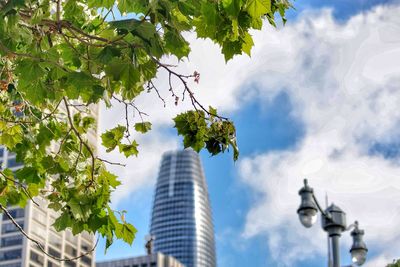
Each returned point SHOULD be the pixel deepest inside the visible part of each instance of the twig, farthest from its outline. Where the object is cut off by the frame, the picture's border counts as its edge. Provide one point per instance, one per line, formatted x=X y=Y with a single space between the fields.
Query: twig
x=151 y=86
x=195 y=103
x=131 y=104
x=111 y=163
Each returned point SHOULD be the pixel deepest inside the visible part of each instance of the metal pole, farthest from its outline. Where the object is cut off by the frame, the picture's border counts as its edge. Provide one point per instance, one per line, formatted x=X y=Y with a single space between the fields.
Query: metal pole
x=329 y=252
x=328 y=239
x=335 y=250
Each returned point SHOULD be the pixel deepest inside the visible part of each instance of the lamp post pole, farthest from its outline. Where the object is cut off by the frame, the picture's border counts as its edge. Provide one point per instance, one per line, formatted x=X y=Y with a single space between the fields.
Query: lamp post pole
x=333 y=221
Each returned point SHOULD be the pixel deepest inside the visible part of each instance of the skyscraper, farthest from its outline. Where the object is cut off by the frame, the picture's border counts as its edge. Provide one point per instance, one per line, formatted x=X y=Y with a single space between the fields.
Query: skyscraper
x=181 y=219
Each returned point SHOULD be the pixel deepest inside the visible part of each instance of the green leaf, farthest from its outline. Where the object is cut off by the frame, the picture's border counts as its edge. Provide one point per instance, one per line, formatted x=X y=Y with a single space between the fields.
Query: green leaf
x=258 y=8
x=143 y=127
x=11 y=136
x=79 y=210
x=101 y=3
x=128 y=74
x=111 y=179
x=128 y=233
x=63 y=222
x=55 y=206
x=247 y=43
x=108 y=53
x=28 y=175
x=81 y=84
x=130 y=149
x=110 y=139
x=176 y=44
x=229 y=49
x=128 y=6
x=232 y=7
x=29 y=69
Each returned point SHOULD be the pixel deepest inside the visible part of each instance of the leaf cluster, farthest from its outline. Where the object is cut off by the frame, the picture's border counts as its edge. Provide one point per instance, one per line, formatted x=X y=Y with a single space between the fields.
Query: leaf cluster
x=213 y=133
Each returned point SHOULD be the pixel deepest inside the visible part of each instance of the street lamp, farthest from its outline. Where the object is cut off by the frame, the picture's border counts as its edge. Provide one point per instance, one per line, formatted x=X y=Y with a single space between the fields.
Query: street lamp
x=307 y=210
x=333 y=221
x=358 y=249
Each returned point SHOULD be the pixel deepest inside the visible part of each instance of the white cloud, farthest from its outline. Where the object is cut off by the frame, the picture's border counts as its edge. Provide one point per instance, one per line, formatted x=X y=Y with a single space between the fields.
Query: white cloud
x=342 y=79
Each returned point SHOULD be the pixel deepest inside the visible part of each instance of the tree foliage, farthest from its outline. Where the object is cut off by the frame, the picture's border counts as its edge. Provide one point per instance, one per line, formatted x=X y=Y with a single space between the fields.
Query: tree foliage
x=61 y=57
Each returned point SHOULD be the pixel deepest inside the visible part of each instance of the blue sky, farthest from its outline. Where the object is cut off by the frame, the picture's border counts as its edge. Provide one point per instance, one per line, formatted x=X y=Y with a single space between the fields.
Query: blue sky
x=279 y=126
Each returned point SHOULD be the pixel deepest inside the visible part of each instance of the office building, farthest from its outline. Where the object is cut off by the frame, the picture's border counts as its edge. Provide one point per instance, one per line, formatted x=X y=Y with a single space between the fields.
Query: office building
x=181 y=220
x=18 y=251
x=153 y=260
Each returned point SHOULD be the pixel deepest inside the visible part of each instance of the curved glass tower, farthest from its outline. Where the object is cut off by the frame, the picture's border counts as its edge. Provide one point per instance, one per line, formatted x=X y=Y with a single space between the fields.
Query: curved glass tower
x=181 y=219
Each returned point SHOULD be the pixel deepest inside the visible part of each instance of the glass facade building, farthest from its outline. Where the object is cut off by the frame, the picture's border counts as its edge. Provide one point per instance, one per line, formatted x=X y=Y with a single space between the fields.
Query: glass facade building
x=182 y=219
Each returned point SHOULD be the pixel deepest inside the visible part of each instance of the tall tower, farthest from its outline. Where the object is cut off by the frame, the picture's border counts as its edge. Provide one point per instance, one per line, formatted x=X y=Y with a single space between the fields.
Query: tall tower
x=182 y=220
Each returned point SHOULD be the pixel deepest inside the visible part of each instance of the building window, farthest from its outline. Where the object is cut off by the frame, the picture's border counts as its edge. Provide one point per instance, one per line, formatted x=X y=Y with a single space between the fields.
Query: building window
x=54 y=252
x=70 y=264
x=39 y=230
x=87 y=260
x=37 y=258
x=12 y=162
x=10 y=254
x=10 y=228
x=52 y=264
x=55 y=240
x=17 y=264
x=39 y=216
x=85 y=247
x=70 y=237
x=11 y=241
x=15 y=213
x=70 y=250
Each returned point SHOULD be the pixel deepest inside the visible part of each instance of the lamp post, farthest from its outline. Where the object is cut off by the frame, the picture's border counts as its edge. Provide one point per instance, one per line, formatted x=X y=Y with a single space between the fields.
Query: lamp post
x=333 y=221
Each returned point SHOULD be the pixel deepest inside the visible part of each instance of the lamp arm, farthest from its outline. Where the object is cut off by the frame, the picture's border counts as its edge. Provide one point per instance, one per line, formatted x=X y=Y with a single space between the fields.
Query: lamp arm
x=326 y=215
x=351 y=226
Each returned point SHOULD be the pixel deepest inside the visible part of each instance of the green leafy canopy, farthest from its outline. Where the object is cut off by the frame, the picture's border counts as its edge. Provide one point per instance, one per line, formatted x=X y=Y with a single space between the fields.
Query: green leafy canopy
x=60 y=59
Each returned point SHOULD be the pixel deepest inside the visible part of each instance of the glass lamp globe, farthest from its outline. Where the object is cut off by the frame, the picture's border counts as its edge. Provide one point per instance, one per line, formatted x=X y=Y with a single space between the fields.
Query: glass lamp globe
x=358 y=256
x=308 y=217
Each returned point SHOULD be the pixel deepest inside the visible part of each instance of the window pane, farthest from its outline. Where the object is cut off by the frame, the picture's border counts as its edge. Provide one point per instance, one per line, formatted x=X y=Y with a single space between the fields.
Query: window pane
x=70 y=250
x=10 y=254
x=10 y=228
x=37 y=258
x=11 y=241
x=15 y=213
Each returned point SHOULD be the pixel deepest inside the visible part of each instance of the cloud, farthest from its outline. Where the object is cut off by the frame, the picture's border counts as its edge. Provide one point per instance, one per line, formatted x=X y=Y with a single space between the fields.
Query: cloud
x=343 y=82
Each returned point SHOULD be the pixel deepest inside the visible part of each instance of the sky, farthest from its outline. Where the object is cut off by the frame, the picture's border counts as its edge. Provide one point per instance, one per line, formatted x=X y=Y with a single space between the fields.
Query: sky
x=317 y=99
